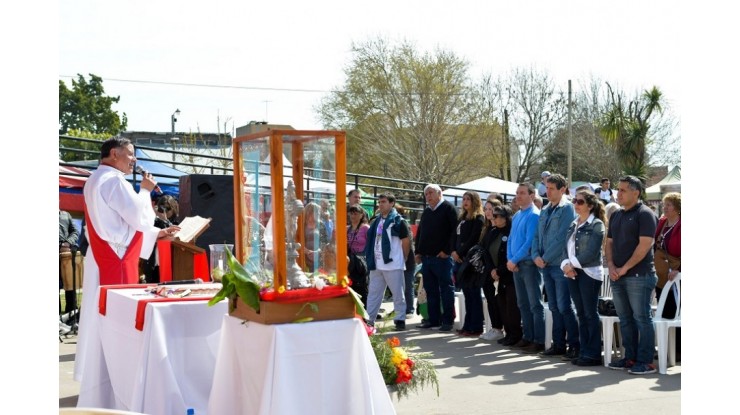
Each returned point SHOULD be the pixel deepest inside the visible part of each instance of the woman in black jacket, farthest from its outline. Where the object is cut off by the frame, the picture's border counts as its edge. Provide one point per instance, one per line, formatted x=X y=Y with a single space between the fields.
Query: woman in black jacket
x=468 y=234
x=505 y=312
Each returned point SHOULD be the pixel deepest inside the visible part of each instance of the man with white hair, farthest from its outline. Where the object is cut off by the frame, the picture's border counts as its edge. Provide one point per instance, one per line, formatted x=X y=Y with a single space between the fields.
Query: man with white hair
x=542 y=187
x=435 y=241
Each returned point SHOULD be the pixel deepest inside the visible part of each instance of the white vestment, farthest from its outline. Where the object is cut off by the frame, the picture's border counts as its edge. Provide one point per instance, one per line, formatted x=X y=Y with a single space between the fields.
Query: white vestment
x=116 y=212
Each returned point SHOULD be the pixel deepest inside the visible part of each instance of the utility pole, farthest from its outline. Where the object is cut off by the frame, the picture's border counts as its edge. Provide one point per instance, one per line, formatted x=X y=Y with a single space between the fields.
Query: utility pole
x=505 y=127
x=570 y=139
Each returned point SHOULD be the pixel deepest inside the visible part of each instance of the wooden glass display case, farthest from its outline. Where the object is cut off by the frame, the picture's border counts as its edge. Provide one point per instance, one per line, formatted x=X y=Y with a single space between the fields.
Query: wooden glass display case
x=290 y=211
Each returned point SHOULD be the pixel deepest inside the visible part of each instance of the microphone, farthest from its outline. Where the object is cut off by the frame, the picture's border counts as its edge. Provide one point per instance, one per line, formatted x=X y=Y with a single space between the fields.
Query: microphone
x=143 y=172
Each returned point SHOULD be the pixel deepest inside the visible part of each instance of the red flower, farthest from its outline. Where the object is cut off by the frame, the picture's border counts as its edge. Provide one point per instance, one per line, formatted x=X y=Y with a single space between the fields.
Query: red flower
x=394 y=342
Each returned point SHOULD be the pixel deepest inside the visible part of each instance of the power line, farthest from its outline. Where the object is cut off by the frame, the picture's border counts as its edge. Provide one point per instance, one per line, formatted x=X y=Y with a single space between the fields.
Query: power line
x=257 y=88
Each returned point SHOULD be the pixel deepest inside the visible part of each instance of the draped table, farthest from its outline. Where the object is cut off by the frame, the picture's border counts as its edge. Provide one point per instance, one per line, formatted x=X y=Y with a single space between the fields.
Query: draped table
x=323 y=367
x=159 y=361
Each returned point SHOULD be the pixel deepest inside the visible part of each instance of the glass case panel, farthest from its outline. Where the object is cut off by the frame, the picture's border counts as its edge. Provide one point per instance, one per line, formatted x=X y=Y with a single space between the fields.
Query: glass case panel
x=287 y=213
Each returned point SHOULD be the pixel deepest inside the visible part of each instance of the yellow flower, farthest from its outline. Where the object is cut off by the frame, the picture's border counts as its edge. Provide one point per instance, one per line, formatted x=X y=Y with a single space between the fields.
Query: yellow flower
x=281 y=289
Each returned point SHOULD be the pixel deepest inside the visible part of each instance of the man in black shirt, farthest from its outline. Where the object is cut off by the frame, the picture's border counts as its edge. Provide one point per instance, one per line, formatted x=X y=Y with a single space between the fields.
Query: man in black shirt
x=629 y=255
x=434 y=242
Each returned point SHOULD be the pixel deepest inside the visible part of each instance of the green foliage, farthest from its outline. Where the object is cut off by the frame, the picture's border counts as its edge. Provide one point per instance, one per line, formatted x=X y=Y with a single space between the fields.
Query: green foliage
x=85 y=107
x=626 y=125
x=238 y=281
x=85 y=150
x=410 y=114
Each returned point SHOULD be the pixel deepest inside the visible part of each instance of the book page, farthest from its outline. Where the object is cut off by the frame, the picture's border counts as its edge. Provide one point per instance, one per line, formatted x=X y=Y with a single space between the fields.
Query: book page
x=190 y=227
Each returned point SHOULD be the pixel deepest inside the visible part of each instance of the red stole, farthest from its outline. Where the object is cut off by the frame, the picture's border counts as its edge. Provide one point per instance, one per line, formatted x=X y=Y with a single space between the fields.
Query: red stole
x=112 y=269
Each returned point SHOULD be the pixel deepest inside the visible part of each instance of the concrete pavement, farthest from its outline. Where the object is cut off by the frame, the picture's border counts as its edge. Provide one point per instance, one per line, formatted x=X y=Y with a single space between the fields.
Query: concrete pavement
x=479 y=377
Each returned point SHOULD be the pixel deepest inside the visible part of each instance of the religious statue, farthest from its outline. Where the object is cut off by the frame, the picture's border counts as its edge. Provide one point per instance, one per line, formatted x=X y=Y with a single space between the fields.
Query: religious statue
x=296 y=278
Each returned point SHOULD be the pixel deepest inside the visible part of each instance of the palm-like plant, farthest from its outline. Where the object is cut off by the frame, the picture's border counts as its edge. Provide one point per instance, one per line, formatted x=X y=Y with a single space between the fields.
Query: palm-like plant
x=626 y=126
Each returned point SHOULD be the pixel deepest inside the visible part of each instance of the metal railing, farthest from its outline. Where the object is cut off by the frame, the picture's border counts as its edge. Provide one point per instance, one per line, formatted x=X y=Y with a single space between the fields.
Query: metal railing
x=408 y=192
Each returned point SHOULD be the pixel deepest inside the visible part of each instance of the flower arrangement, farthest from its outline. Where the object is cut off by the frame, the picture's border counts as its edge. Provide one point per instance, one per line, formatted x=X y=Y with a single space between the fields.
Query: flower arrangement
x=402 y=370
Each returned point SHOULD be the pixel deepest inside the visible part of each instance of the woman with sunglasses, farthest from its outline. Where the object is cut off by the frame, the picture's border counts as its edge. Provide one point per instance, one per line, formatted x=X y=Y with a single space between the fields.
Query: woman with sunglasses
x=166 y=210
x=502 y=308
x=582 y=266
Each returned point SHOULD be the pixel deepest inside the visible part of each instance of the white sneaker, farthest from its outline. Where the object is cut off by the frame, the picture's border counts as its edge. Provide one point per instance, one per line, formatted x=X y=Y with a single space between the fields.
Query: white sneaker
x=64 y=329
x=492 y=335
x=496 y=334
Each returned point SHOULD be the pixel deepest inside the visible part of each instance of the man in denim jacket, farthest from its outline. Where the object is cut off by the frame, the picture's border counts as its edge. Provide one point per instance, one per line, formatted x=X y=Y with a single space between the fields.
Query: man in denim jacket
x=547 y=251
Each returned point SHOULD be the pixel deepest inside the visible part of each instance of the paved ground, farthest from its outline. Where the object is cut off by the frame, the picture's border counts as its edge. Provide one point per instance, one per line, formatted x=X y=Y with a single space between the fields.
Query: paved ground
x=479 y=377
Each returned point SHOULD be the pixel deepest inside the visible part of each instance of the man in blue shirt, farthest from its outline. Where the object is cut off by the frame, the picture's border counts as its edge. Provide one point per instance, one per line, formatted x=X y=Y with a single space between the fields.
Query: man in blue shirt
x=527 y=277
x=547 y=250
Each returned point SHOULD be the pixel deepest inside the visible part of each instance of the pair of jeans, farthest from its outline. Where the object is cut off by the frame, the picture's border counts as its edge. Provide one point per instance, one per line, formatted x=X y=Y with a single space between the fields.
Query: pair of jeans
x=528 y=283
x=437 y=276
x=558 y=301
x=393 y=279
x=585 y=291
x=631 y=296
x=408 y=277
x=473 y=309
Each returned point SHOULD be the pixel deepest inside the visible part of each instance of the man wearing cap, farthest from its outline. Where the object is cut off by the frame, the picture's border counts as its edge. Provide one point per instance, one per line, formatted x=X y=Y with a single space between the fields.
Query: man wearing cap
x=542 y=187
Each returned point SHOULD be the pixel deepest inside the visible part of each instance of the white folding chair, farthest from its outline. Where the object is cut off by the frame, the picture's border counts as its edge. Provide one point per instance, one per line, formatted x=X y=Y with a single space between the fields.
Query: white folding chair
x=665 y=337
x=608 y=324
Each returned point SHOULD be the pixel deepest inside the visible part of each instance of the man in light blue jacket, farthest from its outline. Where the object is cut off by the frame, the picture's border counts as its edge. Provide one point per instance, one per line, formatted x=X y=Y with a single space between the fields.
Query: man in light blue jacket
x=547 y=251
x=527 y=277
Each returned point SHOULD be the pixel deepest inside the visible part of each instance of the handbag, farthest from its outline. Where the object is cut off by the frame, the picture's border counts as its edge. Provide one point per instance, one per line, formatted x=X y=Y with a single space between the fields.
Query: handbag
x=606 y=307
x=357 y=265
x=663 y=263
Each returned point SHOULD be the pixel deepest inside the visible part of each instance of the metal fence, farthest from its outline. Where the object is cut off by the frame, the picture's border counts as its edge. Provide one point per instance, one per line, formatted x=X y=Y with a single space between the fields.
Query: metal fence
x=84 y=153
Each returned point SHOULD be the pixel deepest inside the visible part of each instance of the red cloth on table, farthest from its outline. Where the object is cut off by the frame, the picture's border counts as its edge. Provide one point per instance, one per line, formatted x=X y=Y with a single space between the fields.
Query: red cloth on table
x=103 y=300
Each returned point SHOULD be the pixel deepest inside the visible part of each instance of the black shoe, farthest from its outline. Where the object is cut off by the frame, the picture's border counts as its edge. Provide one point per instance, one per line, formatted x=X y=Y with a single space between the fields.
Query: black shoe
x=533 y=348
x=445 y=327
x=503 y=340
x=585 y=361
x=510 y=342
x=400 y=325
x=427 y=325
x=522 y=343
x=552 y=351
x=572 y=353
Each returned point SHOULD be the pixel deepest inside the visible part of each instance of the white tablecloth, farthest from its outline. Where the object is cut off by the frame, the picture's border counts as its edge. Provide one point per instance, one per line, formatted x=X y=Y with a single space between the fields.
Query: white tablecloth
x=325 y=367
x=162 y=370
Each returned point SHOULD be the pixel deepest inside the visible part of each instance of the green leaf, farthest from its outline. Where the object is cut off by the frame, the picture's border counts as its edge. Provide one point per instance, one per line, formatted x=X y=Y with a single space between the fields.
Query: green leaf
x=359 y=307
x=246 y=286
x=227 y=289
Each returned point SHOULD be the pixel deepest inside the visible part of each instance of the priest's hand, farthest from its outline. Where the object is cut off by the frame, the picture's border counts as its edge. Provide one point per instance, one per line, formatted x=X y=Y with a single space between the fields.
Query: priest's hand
x=168 y=232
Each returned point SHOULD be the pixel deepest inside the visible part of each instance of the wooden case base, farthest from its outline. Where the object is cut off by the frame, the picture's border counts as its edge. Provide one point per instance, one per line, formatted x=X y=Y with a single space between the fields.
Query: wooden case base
x=279 y=313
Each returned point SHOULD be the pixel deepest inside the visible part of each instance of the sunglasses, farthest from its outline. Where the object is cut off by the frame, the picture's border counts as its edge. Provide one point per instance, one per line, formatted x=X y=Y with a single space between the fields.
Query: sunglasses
x=496 y=215
x=162 y=209
x=579 y=202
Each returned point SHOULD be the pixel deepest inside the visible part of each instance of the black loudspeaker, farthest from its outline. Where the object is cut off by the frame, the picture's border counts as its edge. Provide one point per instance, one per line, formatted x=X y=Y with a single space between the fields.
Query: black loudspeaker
x=209 y=196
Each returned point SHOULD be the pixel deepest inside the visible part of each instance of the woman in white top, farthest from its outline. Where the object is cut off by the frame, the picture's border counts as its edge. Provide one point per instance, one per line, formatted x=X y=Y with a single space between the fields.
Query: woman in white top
x=582 y=265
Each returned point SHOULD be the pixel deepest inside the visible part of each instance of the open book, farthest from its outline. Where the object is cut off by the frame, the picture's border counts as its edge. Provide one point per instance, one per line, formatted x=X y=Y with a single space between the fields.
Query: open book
x=191 y=227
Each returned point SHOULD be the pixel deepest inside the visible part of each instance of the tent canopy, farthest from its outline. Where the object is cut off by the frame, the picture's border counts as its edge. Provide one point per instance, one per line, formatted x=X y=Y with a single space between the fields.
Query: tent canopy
x=670 y=183
x=484 y=186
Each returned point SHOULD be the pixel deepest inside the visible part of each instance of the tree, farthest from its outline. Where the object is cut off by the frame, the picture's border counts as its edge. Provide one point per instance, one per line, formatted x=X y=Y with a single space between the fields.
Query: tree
x=536 y=111
x=593 y=158
x=84 y=150
x=86 y=108
x=626 y=125
x=410 y=115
